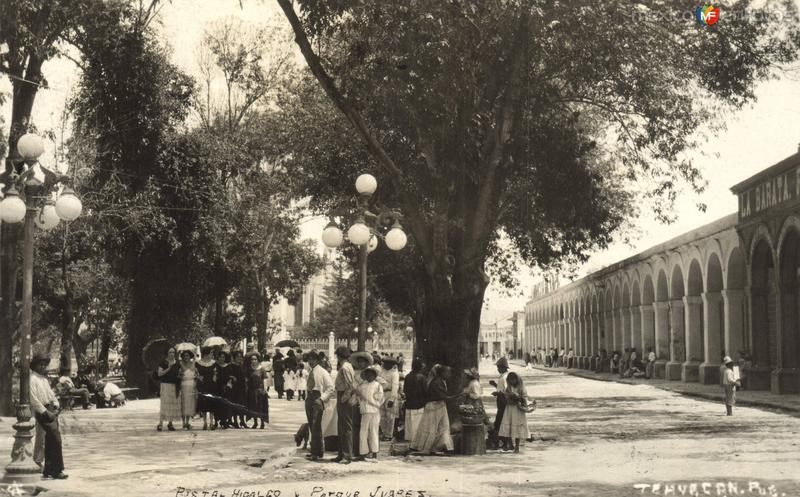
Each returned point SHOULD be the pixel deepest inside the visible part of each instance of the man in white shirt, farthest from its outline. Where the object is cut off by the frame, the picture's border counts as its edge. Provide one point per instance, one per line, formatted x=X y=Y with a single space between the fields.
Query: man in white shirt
x=112 y=394
x=729 y=384
x=391 y=387
x=45 y=408
x=319 y=389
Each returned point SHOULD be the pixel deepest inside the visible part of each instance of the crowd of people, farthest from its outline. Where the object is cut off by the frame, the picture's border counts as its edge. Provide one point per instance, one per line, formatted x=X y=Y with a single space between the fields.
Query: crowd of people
x=226 y=389
x=627 y=364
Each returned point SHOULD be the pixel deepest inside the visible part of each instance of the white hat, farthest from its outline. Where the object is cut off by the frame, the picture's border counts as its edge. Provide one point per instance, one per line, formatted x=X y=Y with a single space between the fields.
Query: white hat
x=727 y=360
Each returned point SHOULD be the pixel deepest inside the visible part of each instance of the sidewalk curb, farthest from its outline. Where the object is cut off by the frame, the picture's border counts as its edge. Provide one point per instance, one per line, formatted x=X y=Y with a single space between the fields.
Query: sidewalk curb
x=759 y=404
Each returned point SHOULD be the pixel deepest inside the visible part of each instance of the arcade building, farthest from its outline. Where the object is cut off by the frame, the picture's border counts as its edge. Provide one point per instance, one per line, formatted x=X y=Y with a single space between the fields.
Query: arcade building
x=727 y=288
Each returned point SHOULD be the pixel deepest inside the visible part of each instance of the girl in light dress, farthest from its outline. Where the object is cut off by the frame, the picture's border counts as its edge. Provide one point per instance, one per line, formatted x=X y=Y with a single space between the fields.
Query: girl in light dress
x=188 y=386
x=515 y=422
x=289 y=383
x=301 y=379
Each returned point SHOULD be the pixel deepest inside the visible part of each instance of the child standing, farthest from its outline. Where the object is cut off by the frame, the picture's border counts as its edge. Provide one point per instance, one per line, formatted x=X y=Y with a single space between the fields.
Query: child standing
x=370 y=395
x=301 y=380
x=289 y=379
x=515 y=423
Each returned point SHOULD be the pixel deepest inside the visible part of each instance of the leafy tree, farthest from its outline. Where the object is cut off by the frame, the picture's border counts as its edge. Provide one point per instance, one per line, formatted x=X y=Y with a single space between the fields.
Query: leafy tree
x=253 y=232
x=341 y=303
x=32 y=33
x=147 y=184
x=539 y=120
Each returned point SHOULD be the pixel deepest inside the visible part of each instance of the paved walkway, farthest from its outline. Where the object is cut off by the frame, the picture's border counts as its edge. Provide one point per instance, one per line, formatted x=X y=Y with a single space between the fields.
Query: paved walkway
x=592 y=438
x=789 y=403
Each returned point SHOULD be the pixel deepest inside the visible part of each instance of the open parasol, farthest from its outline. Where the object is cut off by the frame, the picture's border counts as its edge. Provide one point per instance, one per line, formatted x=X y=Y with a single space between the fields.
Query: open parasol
x=287 y=343
x=214 y=342
x=181 y=347
x=154 y=352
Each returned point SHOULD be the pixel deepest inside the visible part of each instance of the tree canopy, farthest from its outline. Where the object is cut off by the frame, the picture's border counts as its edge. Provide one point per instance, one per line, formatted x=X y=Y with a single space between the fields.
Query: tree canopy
x=547 y=122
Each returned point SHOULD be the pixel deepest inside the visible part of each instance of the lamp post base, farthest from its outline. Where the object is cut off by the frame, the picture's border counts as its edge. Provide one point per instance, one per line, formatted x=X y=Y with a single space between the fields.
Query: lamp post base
x=22 y=469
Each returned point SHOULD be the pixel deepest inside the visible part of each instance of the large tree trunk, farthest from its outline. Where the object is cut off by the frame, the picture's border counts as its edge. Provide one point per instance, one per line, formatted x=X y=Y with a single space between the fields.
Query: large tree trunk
x=139 y=329
x=105 y=345
x=9 y=270
x=447 y=330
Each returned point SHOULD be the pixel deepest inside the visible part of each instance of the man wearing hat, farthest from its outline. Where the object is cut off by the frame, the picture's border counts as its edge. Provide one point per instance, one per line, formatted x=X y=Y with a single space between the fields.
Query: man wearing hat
x=319 y=389
x=500 y=396
x=346 y=403
x=45 y=408
x=391 y=388
x=729 y=384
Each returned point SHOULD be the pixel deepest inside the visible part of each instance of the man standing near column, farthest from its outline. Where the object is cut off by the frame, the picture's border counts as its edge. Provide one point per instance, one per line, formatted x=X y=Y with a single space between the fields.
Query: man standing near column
x=319 y=389
x=346 y=402
x=45 y=408
x=414 y=390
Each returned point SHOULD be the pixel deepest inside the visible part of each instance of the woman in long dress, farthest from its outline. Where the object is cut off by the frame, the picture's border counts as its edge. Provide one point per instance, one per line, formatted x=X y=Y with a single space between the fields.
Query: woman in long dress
x=257 y=400
x=239 y=386
x=206 y=384
x=515 y=422
x=224 y=388
x=188 y=386
x=433 y=433
x=170 y=408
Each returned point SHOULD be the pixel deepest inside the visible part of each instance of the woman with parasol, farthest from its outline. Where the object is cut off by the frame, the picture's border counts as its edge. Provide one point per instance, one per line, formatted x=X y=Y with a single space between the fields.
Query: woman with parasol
x=188 y=383
x=167 y=374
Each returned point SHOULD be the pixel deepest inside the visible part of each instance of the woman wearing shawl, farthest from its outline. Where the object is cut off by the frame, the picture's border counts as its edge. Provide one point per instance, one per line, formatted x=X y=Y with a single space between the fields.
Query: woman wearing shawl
x=224 y=388
x=170 y=408
x=206 y=384
x=473 y=393
x=277 y=373
x=433 y=433
x=515 y=424
x=256 y=395
x=238 y=381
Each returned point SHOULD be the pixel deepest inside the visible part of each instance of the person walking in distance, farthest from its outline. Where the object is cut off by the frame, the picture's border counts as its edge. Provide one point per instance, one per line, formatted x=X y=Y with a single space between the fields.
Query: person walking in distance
x=318 y=390
x=729 y=384
x=45 y=408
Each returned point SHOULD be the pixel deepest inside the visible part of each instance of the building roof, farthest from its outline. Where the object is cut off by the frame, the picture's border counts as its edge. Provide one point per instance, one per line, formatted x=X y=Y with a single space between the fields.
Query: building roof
x=787 y=163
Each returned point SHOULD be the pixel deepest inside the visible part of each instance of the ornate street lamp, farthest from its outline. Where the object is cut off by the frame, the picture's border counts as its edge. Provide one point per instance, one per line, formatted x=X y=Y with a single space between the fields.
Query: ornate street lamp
x=365 y=232
x=36 y=207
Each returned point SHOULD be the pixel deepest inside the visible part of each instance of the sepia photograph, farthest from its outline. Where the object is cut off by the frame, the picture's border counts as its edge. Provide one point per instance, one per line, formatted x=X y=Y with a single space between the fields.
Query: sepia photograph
x=400 y=248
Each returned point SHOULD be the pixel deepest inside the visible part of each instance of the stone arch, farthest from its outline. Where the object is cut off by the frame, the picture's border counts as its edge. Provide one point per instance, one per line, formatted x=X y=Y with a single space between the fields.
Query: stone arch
x=648 y=314
x=693 y=316
x=662 y=288
x=788 y=279
x=714 y=281
x=677 y=286
x=763 y=301
x=677 y=333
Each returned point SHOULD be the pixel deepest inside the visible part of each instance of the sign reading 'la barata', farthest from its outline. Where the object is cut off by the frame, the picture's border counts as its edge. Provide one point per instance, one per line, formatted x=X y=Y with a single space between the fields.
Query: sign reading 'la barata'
x=770 y=193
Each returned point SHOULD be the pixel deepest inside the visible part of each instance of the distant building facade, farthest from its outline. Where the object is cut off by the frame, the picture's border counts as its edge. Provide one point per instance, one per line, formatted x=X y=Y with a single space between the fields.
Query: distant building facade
x=729 y=287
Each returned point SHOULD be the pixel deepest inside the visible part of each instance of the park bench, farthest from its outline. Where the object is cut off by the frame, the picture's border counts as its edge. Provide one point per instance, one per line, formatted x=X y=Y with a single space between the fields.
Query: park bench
x=66 y=401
